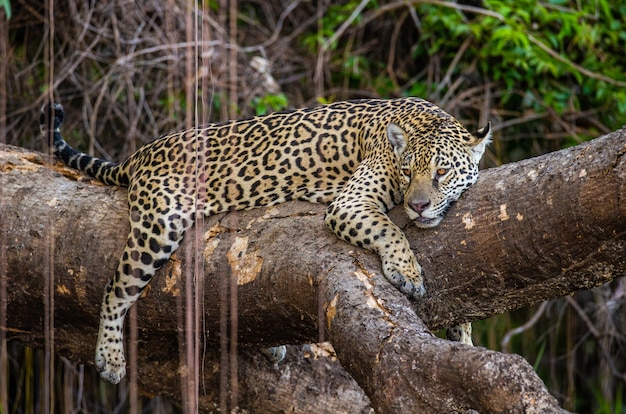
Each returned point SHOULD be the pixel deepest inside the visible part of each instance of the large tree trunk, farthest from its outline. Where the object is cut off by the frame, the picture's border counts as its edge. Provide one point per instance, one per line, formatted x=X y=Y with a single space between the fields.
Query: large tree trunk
x=526 y=232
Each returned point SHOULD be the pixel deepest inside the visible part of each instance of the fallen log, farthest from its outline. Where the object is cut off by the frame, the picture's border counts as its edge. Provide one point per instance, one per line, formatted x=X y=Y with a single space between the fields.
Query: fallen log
x=526 y=232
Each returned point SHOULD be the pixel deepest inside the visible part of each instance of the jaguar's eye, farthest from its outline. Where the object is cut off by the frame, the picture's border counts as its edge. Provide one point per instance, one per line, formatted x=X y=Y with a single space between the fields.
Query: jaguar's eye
x=406 y=172
x=441 y=172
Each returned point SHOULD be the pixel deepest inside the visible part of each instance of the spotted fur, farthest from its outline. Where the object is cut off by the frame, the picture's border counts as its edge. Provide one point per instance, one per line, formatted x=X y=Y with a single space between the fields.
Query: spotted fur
x=363 y=157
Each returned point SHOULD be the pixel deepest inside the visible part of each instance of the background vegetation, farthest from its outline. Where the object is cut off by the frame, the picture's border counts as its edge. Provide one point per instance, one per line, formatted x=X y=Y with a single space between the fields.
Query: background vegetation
x=547 y=74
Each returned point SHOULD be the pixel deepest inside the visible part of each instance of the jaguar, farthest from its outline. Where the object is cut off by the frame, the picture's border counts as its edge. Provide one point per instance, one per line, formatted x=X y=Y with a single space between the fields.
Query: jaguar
x=362 y=157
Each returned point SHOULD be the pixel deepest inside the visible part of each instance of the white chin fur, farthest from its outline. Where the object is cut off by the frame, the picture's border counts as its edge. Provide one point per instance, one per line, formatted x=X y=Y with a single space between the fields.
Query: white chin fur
x=422 y=222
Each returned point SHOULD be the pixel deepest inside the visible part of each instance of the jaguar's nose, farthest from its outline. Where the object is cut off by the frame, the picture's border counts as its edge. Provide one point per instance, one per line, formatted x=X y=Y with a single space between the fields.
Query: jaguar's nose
x=419 y=205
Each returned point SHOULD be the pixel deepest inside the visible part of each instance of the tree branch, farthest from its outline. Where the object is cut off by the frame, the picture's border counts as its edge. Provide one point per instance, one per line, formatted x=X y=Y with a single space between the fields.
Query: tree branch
x=526 y=232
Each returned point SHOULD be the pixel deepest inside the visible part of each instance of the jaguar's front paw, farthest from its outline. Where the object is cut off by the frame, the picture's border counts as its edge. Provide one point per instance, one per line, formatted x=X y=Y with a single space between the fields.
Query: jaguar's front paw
x=110 y=361
x=406 y=277
x=413 y=289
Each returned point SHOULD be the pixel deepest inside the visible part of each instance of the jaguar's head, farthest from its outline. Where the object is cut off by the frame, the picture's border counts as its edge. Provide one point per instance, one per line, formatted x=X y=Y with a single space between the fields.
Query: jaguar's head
x=437 y=161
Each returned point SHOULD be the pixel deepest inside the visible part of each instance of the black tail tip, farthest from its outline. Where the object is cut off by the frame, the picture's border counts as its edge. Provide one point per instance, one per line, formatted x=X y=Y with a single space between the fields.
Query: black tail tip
x=51 y=115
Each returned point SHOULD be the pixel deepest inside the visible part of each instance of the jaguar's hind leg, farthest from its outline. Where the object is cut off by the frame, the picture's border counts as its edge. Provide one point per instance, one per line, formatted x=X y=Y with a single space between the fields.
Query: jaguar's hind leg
x=460 y=333
x=150 y=243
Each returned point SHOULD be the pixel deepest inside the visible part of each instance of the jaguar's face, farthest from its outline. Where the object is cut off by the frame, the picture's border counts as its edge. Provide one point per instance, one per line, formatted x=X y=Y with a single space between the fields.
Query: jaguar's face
x=436 y=167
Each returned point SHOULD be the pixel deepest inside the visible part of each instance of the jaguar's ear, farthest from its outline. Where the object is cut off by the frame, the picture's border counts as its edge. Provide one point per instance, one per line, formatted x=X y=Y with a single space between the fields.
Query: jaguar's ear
x=482 y=138
x=397 y=137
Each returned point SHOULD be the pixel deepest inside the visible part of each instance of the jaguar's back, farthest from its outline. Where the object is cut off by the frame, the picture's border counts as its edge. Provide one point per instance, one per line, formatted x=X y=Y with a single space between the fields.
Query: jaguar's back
x=365 y=156
x=254 y=162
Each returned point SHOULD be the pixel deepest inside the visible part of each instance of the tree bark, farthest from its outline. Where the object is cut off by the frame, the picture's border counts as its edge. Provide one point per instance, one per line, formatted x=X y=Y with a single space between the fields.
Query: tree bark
x=526 y=232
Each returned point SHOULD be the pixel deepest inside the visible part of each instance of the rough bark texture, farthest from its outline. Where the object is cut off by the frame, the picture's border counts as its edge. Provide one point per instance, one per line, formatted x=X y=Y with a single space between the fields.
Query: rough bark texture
x=526 y=232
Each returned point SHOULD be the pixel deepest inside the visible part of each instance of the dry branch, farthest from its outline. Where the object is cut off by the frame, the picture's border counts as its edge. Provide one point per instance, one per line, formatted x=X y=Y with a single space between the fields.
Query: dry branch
x=526 y=232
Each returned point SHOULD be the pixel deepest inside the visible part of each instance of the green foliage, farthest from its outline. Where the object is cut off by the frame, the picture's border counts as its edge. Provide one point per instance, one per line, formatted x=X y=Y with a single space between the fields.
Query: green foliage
x=617 y=406
x=269 y=103
x=6 y=5
x=553 y=68
x=332 y=19
x=539 y=357
x=512 y=49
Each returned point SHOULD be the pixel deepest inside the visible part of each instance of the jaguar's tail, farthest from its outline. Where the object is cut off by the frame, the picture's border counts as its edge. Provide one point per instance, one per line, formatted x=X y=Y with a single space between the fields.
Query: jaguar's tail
x=109 y=173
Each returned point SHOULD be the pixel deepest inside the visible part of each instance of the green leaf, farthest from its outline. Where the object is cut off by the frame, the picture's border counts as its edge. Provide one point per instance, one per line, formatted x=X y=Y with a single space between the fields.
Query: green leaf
x=269 y=103
x=6 y=5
